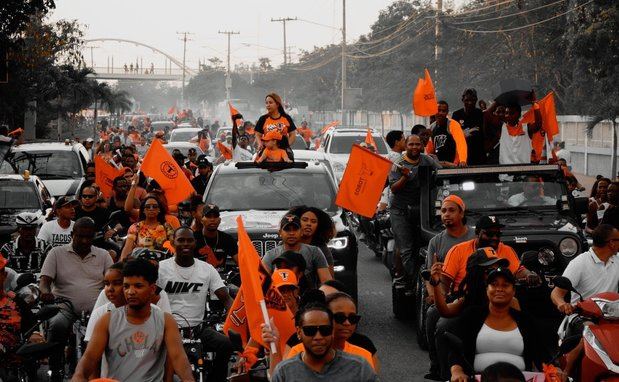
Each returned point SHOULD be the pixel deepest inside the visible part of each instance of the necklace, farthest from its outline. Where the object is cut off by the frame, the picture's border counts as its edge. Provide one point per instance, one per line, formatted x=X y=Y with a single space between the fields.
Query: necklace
x=178 y=271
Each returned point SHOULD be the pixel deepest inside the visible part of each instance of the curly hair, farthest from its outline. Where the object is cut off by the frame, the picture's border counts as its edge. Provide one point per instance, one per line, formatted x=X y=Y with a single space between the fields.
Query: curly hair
x=326 y=228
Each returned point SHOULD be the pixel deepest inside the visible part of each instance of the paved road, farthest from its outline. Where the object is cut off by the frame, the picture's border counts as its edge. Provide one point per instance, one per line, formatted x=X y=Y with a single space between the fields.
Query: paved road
x=400 y=356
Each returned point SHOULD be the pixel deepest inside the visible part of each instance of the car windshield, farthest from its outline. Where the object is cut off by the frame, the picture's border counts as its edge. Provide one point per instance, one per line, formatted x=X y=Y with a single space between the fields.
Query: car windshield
x=18 y=194
x=50 y=164
x=342 y=144
x=504 y=191
x=182 y=136
x=271 y=191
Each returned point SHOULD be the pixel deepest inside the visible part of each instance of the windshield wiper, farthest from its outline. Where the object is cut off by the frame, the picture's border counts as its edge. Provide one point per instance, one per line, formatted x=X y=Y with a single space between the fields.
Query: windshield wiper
x=54 y=176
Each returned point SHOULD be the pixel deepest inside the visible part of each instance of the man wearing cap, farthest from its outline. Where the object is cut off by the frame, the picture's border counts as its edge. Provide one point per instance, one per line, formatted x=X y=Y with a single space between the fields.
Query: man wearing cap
x=317 y=268
x=27 y=252
x=188 y=283
x=74 y=271
x=58 y=231
x=88 y=143
x=240 y=142
x=488 y=234
x=205 y=169
x=212 y=245
x=179 y=158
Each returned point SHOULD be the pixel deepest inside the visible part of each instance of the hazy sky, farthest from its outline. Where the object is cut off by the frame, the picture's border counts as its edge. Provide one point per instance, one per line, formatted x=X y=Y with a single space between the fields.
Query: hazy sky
x=155 y=22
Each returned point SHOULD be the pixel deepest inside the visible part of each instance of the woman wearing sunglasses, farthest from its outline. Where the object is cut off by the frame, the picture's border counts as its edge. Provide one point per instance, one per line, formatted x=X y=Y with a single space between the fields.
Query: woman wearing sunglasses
x=151 y=231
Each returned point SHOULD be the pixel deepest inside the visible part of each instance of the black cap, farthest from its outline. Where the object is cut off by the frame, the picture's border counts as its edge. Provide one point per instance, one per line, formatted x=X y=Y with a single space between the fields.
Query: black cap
x=490 y=221
x=64 y=200
x=203 y=161
x=292 y=259
x=210 y=209
x=177 y=154
x=289 y=219
x=501 y=272
x=485 y=257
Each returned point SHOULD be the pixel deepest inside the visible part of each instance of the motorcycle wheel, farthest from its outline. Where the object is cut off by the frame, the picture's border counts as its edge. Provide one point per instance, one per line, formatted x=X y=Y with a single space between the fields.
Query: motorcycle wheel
x=421 y=309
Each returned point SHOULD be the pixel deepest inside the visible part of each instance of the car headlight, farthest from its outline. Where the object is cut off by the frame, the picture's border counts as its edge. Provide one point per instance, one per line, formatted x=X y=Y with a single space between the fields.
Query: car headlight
x=338 y=243
x=568 y=247
x=610 y=309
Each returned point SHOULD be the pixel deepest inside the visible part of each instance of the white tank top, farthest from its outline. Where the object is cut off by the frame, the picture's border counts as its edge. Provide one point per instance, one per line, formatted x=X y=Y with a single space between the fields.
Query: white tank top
x=494 y=346
x=514 y=149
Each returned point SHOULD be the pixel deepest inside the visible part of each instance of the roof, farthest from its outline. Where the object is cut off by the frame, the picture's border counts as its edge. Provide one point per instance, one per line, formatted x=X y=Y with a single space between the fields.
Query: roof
x=184 y=129
x=45 y=146
x=511 y=168
x=306 y=155
x=180 y=144
x=353 y=132
x=17 y=177
x=230 y=168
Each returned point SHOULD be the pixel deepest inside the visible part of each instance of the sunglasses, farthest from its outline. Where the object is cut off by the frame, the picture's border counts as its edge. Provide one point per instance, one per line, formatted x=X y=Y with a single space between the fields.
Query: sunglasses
x=325 y=330
x=493 y=233
x=87 y=196
x=340 y=318
x=151 y=207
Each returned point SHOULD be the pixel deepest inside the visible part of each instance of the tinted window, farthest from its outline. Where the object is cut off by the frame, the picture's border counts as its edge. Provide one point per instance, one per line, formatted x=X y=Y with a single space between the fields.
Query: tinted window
x=18 y=194
x=51 y=164
x=271 y=191
x=342 y=144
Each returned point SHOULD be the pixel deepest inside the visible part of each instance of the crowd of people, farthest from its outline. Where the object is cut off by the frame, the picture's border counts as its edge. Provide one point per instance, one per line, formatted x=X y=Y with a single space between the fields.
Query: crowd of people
x=146 y=274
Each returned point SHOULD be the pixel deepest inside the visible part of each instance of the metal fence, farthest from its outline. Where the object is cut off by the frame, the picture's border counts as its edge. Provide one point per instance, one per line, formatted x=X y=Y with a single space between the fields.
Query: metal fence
x=380 y=121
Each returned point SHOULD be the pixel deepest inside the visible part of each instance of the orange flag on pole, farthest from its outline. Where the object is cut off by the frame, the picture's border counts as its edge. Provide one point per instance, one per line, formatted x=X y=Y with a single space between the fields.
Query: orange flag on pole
x=363 y=181
x=550 y=125
x=329 y=127
x=224 y=150
x=369 y=140
x=424 y=97
x=159 y=165
x=172 y=110
x=105 y=174
x=234 y=115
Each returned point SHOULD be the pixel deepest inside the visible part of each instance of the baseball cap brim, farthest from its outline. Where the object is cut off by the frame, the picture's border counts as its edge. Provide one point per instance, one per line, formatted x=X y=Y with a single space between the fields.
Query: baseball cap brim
x=495 y=260
x=501 y=272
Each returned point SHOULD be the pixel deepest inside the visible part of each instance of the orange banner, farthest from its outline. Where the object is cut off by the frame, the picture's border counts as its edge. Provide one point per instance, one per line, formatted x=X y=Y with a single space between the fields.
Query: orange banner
x=159 y=165
x=363 y=181
x=245 y=316
x=224 y=150
x=550 y=125
x=105 y=174
x=369 y=140
x=424 y=97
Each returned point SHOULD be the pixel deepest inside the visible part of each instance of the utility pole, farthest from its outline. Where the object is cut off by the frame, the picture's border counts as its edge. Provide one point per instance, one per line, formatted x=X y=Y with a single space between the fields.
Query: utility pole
x=184 y=66
x=344 y=57
x=437 y=39
x=228 y=77
x=283 y=21
x=92 y=60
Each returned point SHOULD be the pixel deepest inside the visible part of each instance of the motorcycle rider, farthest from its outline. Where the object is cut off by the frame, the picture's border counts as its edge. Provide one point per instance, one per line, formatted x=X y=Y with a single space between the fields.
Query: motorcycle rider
x=205 y=169
x=188 y=283
x=26 y=253
x=57 y=232
x=591 y=272
x=212 y=245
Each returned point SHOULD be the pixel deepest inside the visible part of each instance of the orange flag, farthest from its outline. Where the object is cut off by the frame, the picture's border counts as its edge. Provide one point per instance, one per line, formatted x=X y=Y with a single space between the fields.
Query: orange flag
x=245 y=315
x=550 y=125
x=159 y=165
x=172 y=110
x=363 y=181
x=424 y=97
x=329 y=127
x=369 y=140
x=224 y=150
x=105 y=174
x=234 y=115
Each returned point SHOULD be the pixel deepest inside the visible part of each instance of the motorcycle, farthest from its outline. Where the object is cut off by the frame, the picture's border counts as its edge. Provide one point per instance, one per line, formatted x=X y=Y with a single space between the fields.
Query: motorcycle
x=600 y=361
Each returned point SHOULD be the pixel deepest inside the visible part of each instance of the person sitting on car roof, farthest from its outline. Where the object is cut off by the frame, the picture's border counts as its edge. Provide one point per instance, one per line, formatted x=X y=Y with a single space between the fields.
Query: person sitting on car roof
x=532 y=194
x=271 y=153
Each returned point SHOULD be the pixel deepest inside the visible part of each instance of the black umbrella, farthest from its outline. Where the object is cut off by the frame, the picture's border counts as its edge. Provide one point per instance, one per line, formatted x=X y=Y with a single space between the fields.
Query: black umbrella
x=513 y=91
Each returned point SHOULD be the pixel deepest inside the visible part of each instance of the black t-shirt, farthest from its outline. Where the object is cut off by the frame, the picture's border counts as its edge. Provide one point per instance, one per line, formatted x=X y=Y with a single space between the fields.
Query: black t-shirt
x=121 y=218
x=284 y=125
x=475 y=141
x=444 y=143
x=356 y=339
x=215 y=250
x=611 y=216
x=199 y=183
x=99 y=215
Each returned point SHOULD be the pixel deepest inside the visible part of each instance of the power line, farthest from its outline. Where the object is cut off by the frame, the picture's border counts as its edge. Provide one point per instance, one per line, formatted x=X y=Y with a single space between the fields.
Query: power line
x=523 y=26
x=403 y=26
x=419 y=32
x=511 y=14
x=283 y=20
x=483 y=8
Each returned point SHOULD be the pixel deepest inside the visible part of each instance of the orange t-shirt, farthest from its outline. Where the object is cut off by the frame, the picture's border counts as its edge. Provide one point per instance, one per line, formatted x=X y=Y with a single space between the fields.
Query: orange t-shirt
x=284 y=125
x=306 y=133
x=348 y=348
x=275 y=155
x=455 y=261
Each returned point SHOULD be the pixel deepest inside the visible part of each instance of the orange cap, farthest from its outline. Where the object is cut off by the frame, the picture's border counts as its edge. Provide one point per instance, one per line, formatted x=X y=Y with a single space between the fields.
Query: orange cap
x=281 y=277
x=456 y=199
x=272 y=135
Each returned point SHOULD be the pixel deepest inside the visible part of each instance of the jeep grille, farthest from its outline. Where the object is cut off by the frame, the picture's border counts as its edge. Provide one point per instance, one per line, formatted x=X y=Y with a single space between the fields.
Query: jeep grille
x=263 y=247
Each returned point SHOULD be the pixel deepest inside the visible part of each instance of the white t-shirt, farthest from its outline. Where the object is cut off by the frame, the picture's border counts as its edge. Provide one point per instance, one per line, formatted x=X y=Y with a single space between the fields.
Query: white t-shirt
x=188 y=289
x=163 y=303
x=240 y=154
x=589 y=275
x=53 y=234
x=96 y=314
x=514 y=149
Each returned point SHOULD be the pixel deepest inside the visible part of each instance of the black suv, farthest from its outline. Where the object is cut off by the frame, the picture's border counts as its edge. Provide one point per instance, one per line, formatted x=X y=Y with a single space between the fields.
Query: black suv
x=262 y=197
x=542 y=220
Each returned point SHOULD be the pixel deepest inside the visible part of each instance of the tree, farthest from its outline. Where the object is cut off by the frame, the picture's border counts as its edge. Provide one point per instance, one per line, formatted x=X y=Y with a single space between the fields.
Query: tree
x=101 y=93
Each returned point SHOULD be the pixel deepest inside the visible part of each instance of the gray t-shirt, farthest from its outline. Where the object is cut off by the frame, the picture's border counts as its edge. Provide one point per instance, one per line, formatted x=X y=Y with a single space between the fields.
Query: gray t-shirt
x=409 y=194
x=344 y=368
x=442 y=243
x=313 y=256
x=79 y=280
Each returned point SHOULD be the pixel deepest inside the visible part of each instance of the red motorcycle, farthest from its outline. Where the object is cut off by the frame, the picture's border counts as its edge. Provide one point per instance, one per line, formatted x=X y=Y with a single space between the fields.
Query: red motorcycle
x=600 y=362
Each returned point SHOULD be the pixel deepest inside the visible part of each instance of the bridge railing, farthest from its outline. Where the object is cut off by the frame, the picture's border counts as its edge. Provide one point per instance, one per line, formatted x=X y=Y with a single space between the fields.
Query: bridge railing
x=139 y=71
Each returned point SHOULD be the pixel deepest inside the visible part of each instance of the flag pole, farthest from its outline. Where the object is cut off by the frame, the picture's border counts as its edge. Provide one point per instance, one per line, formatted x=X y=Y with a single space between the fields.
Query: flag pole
x=267 y=323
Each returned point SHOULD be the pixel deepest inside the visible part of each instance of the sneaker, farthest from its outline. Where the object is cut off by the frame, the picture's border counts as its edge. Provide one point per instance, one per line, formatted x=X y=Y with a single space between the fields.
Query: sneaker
x=433 y=376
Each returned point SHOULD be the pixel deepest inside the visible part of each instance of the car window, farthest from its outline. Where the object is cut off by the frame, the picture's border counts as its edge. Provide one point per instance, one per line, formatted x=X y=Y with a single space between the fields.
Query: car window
x=271 y=191
x=342 y=144
x=182 y=136
x=50 y=164
x=18 y=194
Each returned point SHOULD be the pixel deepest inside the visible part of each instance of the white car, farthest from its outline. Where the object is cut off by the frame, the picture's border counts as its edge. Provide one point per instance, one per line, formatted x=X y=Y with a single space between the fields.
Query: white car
x=19 y=194
x=185 y=134
x=337 y=144
x=60 y=166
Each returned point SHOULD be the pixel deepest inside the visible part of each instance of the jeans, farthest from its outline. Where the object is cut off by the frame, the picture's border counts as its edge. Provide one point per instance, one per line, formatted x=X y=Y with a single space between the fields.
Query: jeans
x=405 y=227
x=216 y=342
x=60 y=327
x=438 y=352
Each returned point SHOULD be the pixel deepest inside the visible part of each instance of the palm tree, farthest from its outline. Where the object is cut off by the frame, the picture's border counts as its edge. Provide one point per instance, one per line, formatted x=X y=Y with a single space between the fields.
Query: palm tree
x=100 y=93
x=118 y=102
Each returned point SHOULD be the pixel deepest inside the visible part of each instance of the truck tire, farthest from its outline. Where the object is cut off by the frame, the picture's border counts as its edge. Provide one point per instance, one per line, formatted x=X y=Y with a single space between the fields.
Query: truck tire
x=421 y=309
